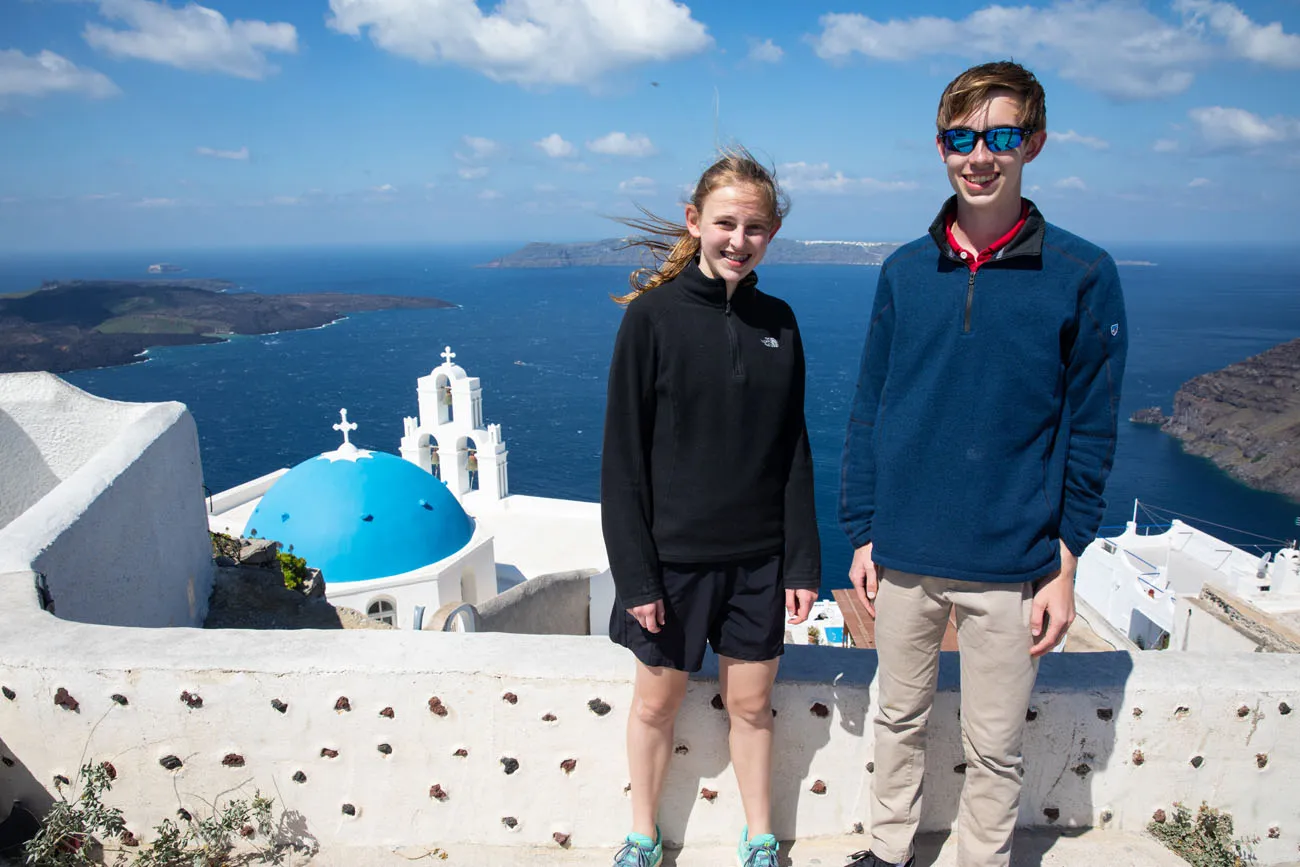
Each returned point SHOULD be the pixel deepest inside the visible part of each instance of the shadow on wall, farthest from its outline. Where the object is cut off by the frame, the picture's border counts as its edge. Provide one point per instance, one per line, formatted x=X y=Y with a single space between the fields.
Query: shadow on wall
x=27 y=476
x=22 y=800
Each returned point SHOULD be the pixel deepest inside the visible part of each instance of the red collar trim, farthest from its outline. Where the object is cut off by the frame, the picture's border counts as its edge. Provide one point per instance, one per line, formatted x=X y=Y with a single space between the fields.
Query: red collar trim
x=974 y=262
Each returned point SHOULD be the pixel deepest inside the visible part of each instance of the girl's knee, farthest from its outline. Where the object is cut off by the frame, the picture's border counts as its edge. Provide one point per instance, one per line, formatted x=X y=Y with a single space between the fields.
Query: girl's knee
x=755 y=710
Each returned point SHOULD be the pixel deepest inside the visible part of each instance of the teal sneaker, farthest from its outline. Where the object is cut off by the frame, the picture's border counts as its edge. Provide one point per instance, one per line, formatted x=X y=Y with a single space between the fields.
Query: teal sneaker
x=640 y=851
x=758 y=852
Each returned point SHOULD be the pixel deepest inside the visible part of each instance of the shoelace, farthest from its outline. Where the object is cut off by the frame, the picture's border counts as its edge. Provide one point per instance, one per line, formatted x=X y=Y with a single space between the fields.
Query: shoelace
x=761 y=857
x=632 y=855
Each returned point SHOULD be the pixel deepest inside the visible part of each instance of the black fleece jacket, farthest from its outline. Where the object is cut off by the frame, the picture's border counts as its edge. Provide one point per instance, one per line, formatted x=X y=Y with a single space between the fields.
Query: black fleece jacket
x=706 y=453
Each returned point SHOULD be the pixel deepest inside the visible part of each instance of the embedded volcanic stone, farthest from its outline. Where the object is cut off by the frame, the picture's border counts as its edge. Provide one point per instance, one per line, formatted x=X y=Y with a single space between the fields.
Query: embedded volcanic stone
x=1082 y=770
x=1138 y=757
x=120 y=699
x=1031 y=715
x=681 y=749
x=818 y=788
x=510 y=822
x=1181 y=712
x=461 y=753
x=279 y=705
x=858 y=829
x=8 y=693
x=708 y=795
x=1105 y=714
x=1137 y=712
x=819 y=710
x=385 y=749
x=1106 y=816
x=598 y=707
x=959 y=768
x=349 y=810
x=1243 y=712
x=233 y=760
x=510 y=765
x=343 y=704
x=1052 y=814
x=64 y=700
x=327 y=753
x=562 y=839
x=550 y=717
x=60 y=780
x=109 y=770
x=1261 y=760
x=510 y=698
x=184 y=815
x=1274 y=832
x=717 y=702
x=387 y=713
x=1158 y=817
x=436 y=707
x=171 y=763
x=871 y=767
x=247 y=831
x=128 y=839
x=6 y=761
x=1283 y=708
x=299 y=777
x=437 y=793
x=194 y=700
x=1197 y=761
x=568 y=765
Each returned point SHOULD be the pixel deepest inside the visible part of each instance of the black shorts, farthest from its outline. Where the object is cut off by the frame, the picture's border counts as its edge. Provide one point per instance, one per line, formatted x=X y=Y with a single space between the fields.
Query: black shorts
x=737 y=608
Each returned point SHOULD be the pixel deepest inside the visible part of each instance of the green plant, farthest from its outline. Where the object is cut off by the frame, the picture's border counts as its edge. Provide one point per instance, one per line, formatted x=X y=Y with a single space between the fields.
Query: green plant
x=72 y=830
x=225 y=546
x=1203 y=840
x=207 y=841
x=814 y=635
x=293 y=568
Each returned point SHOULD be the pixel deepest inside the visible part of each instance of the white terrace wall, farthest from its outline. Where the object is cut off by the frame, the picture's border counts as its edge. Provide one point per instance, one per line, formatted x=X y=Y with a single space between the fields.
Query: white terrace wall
x=525 y=736
x=106 y=500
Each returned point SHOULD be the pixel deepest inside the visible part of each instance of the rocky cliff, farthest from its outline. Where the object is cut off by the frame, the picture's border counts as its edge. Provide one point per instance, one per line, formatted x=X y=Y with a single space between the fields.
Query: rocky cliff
x=1246 y=418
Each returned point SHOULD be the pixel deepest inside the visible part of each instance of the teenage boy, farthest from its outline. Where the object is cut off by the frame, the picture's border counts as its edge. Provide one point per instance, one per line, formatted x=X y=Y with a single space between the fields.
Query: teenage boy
x=978 y=446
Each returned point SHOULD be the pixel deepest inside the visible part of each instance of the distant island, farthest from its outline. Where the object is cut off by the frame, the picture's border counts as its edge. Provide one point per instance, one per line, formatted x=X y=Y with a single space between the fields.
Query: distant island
x=79 y=324
x=165 y=268
x=1245 y=418
x=616 y=252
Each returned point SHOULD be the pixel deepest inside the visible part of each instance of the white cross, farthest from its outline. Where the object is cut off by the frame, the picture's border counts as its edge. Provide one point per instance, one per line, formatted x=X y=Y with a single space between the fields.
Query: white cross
x=345 y=426
x=447 y=354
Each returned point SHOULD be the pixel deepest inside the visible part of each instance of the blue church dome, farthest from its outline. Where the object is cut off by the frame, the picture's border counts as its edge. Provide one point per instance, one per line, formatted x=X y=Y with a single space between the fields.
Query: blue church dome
x=357 y=515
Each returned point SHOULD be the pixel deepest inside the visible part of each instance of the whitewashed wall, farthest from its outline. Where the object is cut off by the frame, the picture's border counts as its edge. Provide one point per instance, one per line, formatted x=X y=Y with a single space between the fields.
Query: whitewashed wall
x=120 y=533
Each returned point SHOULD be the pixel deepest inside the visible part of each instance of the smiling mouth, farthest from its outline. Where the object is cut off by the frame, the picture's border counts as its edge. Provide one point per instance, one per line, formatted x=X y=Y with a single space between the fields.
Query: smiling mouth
x=736 y=258
x=980 y=180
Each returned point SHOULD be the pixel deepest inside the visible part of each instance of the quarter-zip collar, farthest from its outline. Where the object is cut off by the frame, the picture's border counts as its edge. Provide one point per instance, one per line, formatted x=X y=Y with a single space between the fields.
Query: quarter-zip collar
x=712 y=291
x=1027 y=242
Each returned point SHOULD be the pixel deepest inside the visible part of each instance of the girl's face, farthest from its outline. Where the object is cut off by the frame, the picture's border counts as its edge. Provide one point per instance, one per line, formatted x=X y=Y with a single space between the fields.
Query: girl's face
x=734 y=227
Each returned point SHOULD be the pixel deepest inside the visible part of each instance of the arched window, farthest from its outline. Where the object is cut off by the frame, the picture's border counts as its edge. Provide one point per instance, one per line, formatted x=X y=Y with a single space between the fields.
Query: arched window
x=382 y=611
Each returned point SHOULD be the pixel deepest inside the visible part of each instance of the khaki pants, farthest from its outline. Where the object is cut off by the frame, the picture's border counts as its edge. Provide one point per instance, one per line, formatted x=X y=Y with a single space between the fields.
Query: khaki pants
x=997 y=677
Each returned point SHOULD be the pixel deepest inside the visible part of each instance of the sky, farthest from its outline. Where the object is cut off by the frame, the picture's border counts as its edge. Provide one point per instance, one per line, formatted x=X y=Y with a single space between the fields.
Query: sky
x=148 y=124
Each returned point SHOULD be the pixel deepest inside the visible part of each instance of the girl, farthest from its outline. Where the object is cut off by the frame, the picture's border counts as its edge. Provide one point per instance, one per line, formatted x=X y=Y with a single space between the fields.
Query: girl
x=706 y=488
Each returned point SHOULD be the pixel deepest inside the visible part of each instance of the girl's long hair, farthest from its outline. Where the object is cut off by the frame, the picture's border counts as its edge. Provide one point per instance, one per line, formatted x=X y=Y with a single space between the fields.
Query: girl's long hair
x=672 y=245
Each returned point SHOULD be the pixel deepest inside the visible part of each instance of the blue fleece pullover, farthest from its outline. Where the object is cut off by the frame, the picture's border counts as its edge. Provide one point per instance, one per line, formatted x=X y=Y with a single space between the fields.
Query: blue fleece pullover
x=983 y=427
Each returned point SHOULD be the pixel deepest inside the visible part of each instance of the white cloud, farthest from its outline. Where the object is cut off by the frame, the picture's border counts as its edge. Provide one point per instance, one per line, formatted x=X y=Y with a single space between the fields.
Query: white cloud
x=241 y=154
x=384 y=188
x=1198 y=182
x=191 y=37
x=620 y=144
x=156 y=203
x=46 y=73
x=479 y=148
x=1076 y=138
x=818 y=178
x=555 y=146
x=766 y=51
x=566 y=42
x=490 y=195
x=1071 y=183
x=637 y=184
x=1236 y=128
x=1164 y=145
x=1117 y=47
x=286 y=200
x=1266 y=44
x=473 y=173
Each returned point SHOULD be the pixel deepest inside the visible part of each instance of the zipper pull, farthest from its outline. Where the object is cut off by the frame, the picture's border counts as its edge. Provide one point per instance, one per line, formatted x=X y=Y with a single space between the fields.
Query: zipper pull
x=727 y=308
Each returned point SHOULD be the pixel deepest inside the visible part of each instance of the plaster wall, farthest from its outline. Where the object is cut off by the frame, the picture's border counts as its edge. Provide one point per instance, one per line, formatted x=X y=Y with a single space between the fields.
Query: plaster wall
x=106 y=558
x=540 y=721
x=1197 y=628
x=555 y=604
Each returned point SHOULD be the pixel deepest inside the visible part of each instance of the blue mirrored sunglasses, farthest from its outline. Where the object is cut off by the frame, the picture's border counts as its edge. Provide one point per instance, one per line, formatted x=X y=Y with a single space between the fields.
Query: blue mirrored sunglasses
x=998 y=139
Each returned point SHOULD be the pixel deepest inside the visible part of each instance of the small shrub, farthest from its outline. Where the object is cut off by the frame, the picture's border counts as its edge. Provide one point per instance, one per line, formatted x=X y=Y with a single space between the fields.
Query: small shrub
x=72 y=831
x=293 y=568
x=814 y=635
x=225 y=546
x=1204 y=840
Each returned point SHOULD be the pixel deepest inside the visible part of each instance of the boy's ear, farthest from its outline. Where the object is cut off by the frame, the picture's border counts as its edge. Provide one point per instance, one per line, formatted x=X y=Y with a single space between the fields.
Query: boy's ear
x=1035 y=145
x=775 y=229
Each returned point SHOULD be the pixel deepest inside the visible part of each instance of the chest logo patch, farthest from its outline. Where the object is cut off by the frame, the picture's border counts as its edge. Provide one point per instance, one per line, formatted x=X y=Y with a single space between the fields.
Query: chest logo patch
x=1114 y=329
x=771 y=343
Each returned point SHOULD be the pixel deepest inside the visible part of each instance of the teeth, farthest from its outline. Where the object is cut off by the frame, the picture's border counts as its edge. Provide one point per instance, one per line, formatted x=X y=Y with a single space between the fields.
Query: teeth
x=980 y=179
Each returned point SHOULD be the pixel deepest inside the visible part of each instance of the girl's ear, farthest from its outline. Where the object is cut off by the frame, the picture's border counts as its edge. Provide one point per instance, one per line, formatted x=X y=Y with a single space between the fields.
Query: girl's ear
x=693 y=220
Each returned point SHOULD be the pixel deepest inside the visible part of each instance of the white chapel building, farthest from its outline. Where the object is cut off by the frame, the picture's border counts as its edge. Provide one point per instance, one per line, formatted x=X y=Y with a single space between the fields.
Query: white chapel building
x=400 y=537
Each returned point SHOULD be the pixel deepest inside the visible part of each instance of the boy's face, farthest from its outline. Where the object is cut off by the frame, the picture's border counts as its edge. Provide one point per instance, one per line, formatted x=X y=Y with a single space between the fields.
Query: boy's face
x=981 y=178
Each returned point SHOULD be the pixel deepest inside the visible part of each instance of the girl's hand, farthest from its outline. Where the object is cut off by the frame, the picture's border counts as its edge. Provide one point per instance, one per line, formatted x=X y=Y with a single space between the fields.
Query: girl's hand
x=799 y=604
x=650 y=615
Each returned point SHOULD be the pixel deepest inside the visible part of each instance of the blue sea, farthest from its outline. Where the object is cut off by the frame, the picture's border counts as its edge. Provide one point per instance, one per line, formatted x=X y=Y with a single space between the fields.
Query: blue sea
x=540 y=342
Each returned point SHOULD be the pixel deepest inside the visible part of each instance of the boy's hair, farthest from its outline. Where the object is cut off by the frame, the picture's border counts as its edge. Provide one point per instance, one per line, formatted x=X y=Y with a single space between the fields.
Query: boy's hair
x=971 y=89
x=672 y=246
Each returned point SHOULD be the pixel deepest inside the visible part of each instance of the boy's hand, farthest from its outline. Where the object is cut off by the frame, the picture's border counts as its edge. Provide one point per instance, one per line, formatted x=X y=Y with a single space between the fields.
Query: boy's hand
x=862 y=575
x=799 y=604
x=1053 y=597
x=650 y=615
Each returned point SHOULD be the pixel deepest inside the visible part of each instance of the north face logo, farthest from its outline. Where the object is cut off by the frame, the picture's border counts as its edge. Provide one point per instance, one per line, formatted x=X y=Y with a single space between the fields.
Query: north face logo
x=771 y=343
